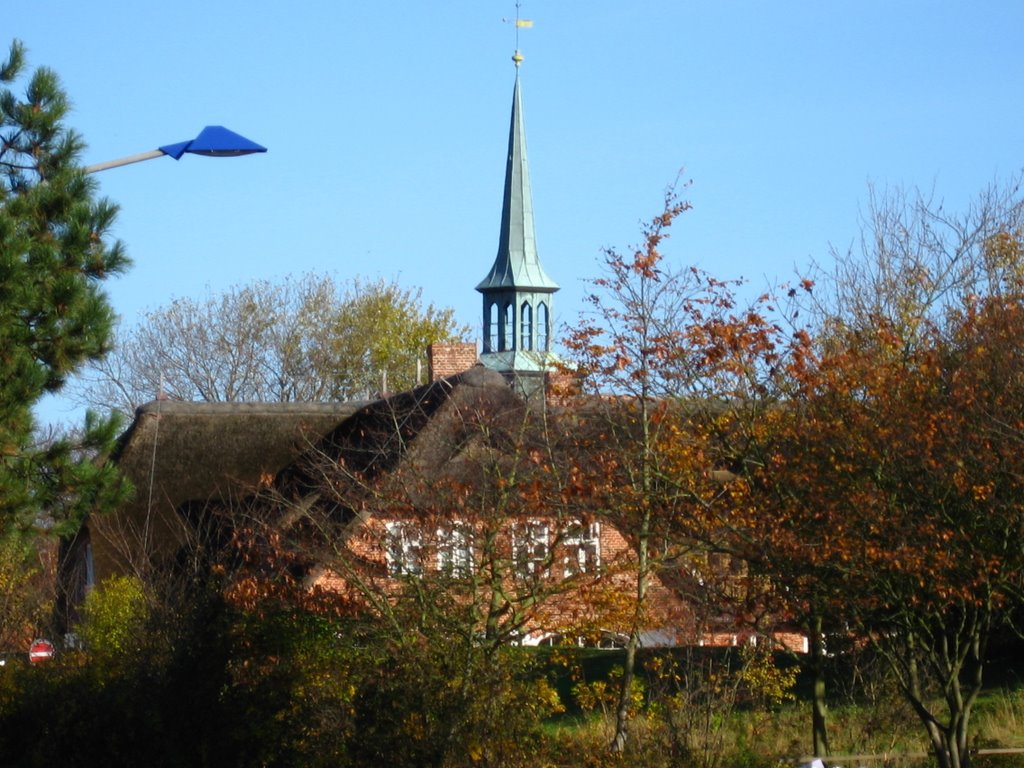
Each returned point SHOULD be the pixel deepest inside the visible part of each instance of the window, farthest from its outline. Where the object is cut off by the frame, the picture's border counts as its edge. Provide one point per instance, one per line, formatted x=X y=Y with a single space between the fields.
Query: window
x=526 y=326
x=491 y=332
x=582 y=546
x=404 y=549
x=530 y=548
x=455 y=550
x=542 y=327
x=508 y=330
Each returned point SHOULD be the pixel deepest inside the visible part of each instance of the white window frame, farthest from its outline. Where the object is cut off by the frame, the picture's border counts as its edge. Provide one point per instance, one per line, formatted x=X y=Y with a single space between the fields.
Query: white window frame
x=531 y=547
x=582 y=545
x=403 y=549
x=455 y=549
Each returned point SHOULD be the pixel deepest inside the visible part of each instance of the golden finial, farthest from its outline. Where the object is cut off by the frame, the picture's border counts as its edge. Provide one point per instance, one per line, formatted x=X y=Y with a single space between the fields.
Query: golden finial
x=517 y=57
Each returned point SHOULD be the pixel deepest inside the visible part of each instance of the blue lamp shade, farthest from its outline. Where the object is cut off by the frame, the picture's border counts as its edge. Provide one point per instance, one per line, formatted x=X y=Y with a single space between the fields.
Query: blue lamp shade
x=214 y=141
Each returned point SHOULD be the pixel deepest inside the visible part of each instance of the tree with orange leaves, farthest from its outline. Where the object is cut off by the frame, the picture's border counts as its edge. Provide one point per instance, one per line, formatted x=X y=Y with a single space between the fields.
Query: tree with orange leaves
x=664 y=355
x=871 y=458
x=892 y=480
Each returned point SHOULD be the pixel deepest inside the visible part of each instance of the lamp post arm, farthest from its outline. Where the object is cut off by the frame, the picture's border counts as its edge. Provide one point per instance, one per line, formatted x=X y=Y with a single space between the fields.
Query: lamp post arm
x=125 y=161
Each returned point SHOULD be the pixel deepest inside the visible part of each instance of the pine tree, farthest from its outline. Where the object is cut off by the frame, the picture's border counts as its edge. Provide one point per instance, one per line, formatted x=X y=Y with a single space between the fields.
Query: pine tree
x=55 y=252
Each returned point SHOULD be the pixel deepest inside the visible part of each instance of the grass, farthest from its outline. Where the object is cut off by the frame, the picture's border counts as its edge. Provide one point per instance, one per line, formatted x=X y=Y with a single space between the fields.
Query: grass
x=735 y=736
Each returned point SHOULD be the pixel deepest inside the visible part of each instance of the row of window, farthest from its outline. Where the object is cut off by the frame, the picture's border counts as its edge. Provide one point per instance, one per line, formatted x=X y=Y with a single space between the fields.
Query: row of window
x=501 y=331
x=578 y=549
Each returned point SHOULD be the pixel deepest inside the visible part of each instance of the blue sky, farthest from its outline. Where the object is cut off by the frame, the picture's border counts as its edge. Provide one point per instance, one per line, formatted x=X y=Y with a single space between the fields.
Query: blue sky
x=386 y=124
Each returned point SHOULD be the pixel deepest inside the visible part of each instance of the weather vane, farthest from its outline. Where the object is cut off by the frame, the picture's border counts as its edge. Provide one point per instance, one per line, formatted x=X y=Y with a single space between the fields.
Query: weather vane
x=520 y=23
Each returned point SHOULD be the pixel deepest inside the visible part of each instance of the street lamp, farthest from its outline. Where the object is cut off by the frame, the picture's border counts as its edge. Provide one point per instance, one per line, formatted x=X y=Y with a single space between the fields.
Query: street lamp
x=213 y=141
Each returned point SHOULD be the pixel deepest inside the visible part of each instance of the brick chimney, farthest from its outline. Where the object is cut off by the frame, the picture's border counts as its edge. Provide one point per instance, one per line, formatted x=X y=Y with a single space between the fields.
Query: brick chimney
x=449 y=359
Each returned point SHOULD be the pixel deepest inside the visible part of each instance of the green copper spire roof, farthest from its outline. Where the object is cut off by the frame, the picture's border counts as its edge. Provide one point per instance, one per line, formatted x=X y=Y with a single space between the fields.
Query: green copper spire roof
x=517 y=265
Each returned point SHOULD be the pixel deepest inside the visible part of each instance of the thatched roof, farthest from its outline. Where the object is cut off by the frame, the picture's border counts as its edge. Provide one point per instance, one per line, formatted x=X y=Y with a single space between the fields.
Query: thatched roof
x=182 y=457
x=177 y=453
x=427 y=431
x=185 y=458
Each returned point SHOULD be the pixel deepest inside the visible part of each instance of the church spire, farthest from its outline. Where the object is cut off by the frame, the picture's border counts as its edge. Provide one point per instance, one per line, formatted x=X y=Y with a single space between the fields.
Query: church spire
x=517 y=292
x=517 y=263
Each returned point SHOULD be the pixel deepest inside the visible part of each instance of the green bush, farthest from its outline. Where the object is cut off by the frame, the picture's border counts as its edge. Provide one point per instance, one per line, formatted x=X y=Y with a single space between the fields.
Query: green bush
x=115 y=617
x=448 y=702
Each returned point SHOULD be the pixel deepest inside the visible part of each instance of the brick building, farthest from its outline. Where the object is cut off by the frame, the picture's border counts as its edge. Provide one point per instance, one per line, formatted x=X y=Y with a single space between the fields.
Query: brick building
x=414 y=485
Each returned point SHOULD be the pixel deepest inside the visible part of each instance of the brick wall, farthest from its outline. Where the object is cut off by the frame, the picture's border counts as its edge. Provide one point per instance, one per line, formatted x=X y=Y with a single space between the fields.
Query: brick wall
x=449 y=359
x=582 y=603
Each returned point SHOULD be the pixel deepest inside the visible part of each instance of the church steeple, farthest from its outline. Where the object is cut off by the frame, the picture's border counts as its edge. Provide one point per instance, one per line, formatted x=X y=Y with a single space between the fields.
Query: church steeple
x=517 y=292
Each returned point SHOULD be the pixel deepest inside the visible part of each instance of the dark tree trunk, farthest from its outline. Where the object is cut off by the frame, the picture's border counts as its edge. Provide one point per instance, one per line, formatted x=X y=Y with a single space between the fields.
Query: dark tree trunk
x=819 y=732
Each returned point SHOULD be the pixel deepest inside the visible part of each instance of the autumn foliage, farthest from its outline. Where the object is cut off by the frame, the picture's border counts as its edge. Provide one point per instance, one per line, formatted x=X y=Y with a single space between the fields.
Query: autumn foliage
x=839 y=460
